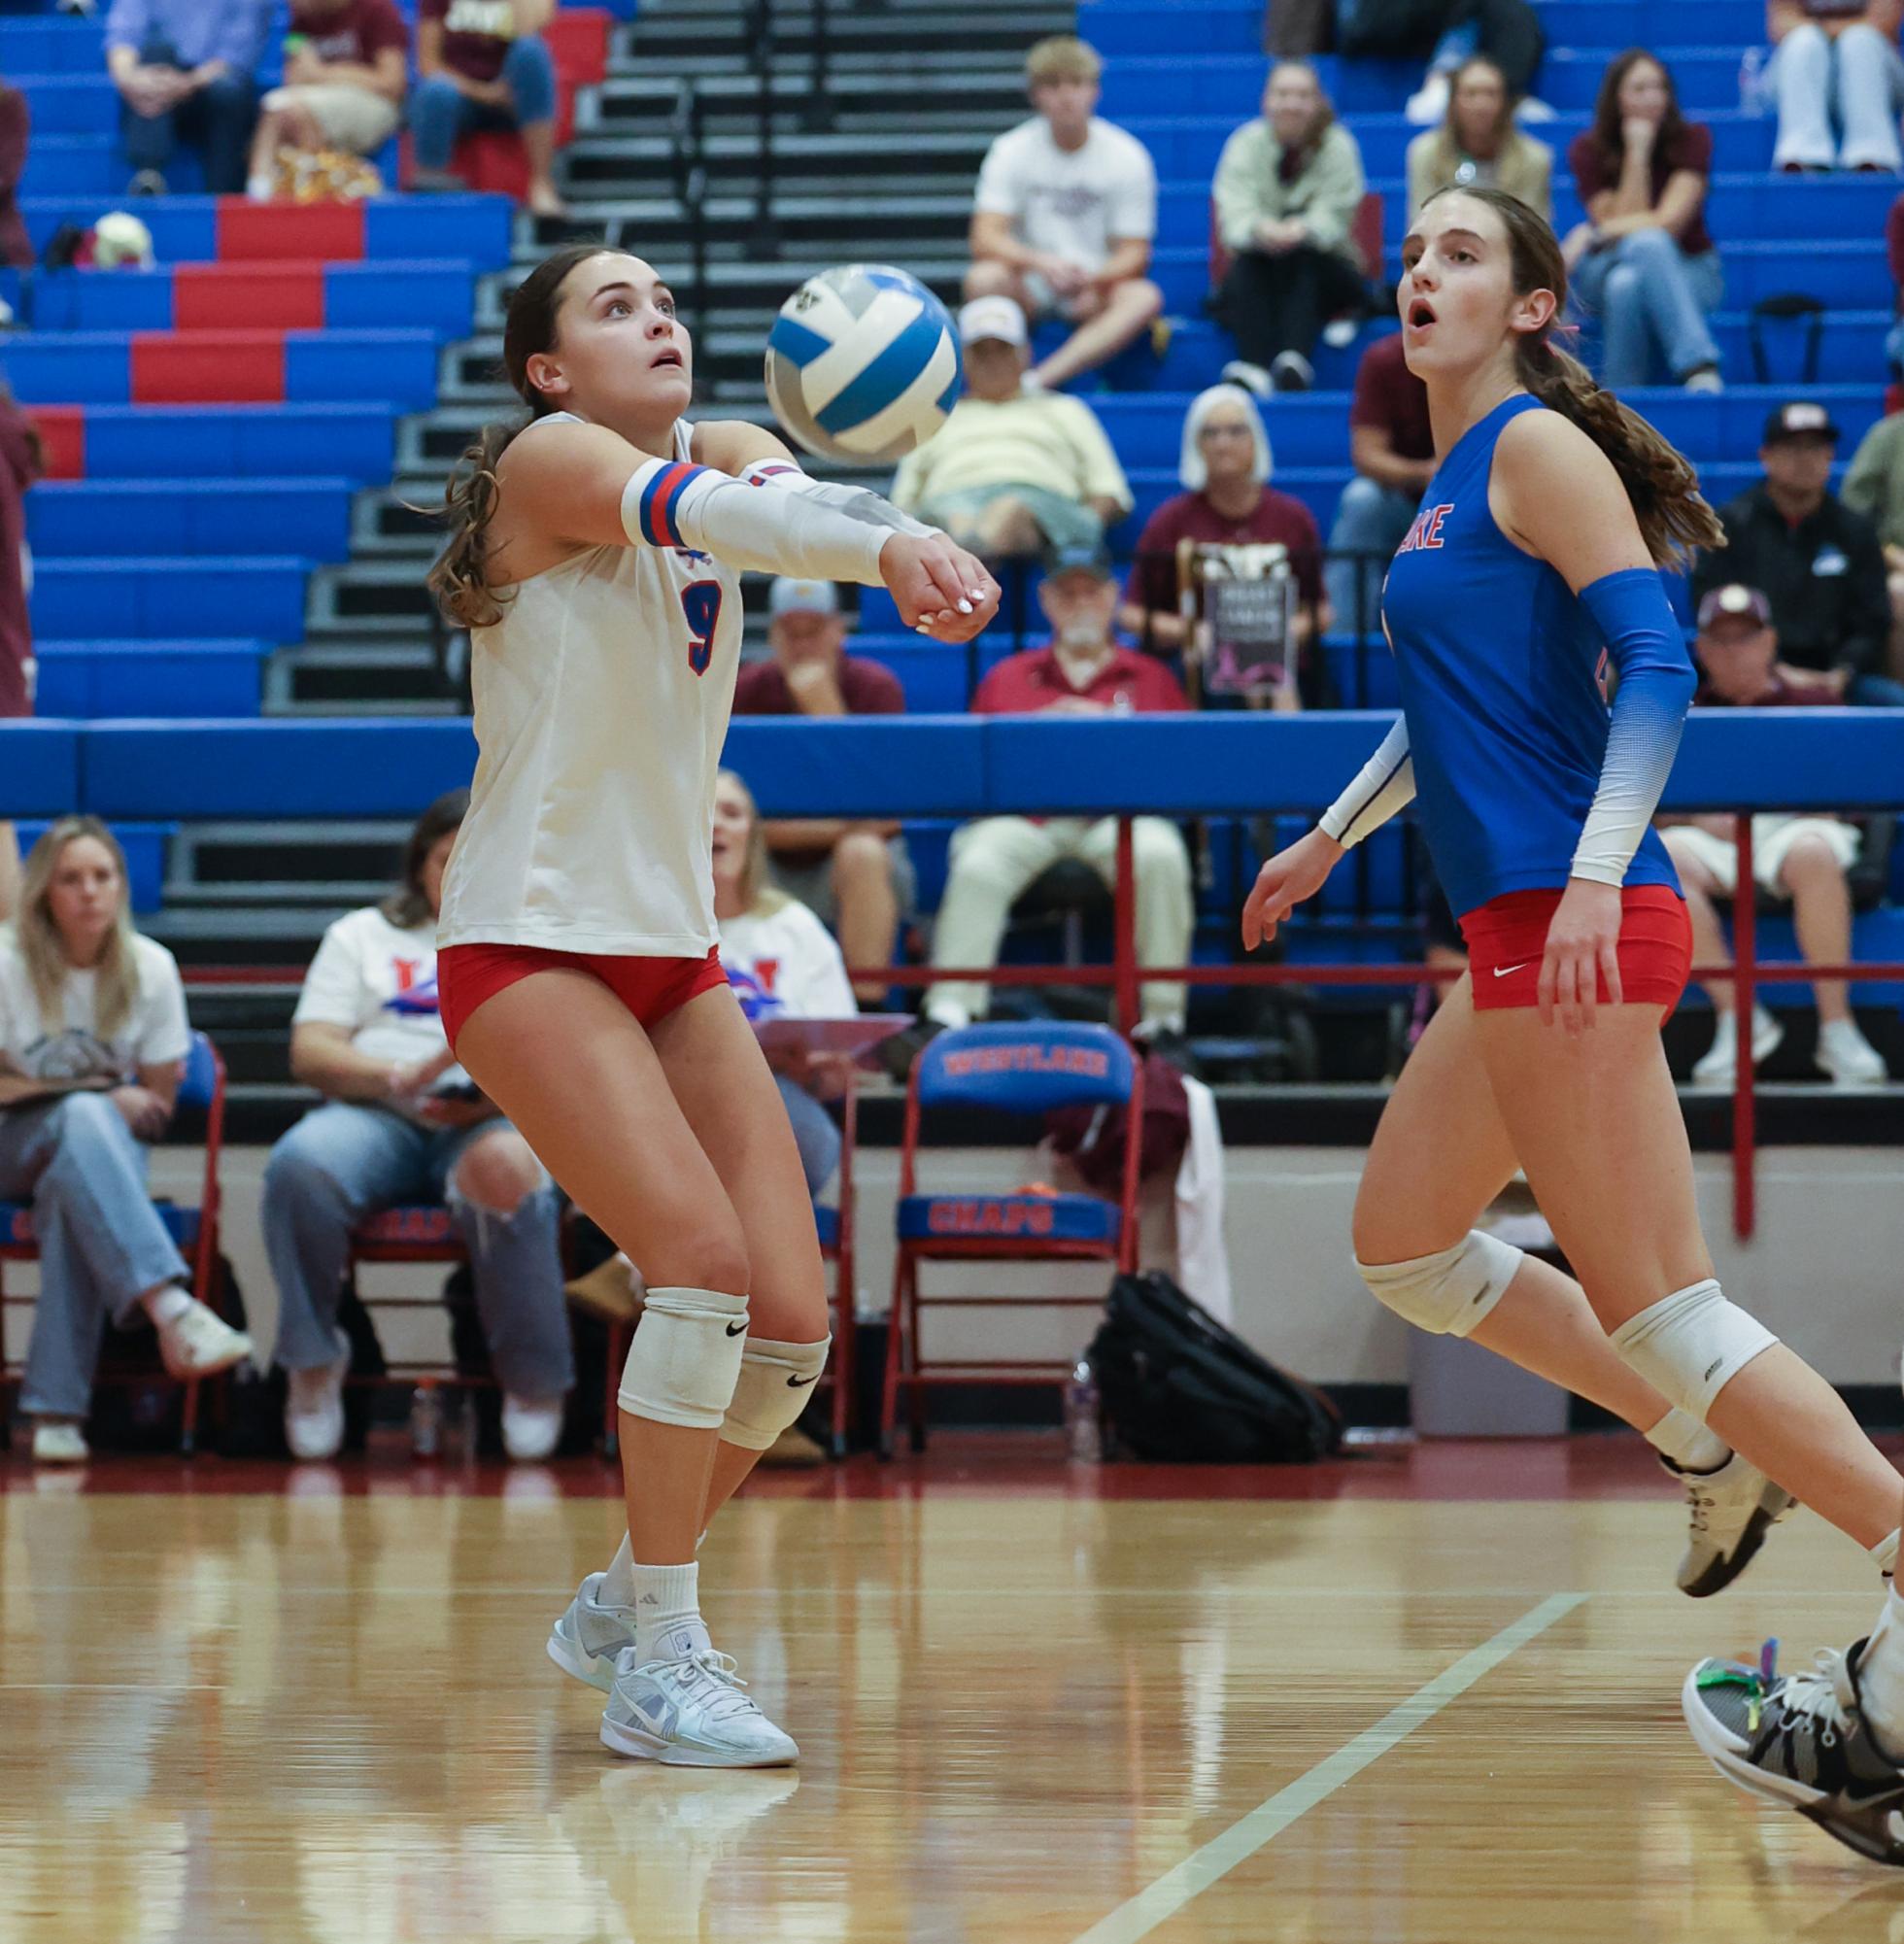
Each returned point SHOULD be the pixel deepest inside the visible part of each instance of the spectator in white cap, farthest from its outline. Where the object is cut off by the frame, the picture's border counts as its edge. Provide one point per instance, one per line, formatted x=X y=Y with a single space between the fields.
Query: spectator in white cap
x=1800 y=860
x=1064 y=215
x=1012 y=471
x=852 y=872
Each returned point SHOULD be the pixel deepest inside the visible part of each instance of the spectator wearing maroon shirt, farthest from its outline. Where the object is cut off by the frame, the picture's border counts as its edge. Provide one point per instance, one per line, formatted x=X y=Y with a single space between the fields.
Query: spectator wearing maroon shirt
x=1642 y=260
x=1225 y=466
x=995 y=860
x=1393 y=447
x=484 y=63
x=347 y=64
x=853 y=871
x=1800 y=858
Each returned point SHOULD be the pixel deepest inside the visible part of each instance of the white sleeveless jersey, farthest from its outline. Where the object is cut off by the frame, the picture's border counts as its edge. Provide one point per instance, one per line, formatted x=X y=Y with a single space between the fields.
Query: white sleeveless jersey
x=602 y=698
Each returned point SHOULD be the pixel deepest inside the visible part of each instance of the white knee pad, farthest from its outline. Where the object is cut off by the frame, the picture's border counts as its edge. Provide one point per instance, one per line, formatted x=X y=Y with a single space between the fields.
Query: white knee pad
x=685 y=1359
x=1690 y=1345
x=771 y=1391
x=1449 y=1292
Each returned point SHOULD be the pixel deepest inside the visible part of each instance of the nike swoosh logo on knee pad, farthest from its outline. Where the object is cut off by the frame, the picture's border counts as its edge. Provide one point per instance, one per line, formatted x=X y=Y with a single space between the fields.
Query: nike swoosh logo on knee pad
x=798 y=1383
x=736 y=1329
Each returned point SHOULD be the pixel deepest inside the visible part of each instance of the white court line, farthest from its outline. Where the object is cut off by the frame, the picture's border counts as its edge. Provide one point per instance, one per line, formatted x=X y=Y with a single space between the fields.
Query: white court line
x=1194 y=1874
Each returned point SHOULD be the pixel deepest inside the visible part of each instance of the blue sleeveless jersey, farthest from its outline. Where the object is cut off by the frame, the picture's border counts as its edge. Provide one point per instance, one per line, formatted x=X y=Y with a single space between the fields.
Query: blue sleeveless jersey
x=1500 y=669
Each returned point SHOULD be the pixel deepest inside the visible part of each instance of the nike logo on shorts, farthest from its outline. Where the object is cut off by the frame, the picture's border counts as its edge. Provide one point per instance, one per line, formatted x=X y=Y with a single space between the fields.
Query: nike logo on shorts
x=1501 y=971
x=736 y=1329
x=801 y=1383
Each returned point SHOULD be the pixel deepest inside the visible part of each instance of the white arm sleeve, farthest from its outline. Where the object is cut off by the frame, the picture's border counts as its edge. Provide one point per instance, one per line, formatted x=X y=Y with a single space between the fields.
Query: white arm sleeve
x=670 y=504
x=857 y=502
x=1385 y=785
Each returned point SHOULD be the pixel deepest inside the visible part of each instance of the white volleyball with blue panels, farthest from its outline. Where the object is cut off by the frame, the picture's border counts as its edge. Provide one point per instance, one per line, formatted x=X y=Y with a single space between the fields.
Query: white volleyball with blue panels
x=863 y=363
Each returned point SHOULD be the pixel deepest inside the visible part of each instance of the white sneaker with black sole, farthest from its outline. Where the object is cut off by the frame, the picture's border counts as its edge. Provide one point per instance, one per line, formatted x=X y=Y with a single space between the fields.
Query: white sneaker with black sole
x=591 y=1635
x=1801 y=1740
x=1730 y=1511
x=692 y=1713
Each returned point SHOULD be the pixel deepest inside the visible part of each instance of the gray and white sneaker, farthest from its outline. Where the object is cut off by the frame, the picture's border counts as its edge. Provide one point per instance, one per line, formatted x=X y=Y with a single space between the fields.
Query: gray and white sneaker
x=586 y=1641
x=692 y=1713
x=1730 y=1511
x=1801 y=1740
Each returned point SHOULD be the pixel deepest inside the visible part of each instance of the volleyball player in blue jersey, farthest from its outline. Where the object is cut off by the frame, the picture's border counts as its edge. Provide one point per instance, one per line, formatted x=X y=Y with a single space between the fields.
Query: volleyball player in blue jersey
x=1538 y=547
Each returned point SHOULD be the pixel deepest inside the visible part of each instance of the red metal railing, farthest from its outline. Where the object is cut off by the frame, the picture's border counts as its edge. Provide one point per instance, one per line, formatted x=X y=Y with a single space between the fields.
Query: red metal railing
x=1123 y=977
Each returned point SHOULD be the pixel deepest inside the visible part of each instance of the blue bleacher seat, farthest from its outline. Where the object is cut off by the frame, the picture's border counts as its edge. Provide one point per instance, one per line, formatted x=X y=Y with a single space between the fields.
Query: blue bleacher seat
x=157 y=678
x=195 y=517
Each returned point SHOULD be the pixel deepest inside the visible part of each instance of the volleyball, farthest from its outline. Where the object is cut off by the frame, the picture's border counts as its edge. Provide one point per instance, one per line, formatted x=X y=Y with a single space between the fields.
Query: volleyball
x=863 y=363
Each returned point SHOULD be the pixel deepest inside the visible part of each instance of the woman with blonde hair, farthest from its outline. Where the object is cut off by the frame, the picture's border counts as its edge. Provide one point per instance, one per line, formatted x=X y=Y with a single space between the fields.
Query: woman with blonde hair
x=93 y=1041
x=1480 y=143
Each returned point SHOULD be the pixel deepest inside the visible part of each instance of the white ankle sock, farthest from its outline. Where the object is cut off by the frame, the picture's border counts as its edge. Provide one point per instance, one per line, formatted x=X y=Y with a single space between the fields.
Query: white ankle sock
x=667 y=1621
x=1680 y=1437
x=162 y=1306
x=1881 y=1675
x=617 y=1587
x=1885 y=1552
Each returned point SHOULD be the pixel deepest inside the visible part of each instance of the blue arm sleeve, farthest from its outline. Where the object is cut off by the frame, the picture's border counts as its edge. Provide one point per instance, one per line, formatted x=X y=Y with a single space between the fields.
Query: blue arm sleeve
x=1655 y=689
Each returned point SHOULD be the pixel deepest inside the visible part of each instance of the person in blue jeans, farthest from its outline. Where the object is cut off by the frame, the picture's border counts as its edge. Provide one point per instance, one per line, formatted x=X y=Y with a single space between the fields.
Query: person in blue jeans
x=94 y=1042
x=484 y=64
x=402 y=1123
x=1644 y=261
x=184 y=71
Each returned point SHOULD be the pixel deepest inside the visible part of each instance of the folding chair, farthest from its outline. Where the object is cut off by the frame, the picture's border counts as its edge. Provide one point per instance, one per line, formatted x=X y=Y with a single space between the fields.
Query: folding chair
x=409 y=1232
x=194 y=1230
x=1012 y=1069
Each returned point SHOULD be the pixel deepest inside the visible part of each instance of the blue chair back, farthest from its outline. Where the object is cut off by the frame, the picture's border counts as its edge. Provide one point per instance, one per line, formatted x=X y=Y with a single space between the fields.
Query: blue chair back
x=201 y=1075
x=1025 y=1069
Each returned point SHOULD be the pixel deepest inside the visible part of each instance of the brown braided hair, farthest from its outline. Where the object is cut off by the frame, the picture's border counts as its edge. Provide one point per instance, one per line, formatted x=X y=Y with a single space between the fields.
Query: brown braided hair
x=469 y=496
x=1659 y=479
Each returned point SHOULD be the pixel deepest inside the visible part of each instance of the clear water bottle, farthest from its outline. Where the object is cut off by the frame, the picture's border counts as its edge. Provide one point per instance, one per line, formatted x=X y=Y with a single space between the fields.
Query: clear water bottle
x=425 y=1421
x=1084 y=1435
x=1751 y=82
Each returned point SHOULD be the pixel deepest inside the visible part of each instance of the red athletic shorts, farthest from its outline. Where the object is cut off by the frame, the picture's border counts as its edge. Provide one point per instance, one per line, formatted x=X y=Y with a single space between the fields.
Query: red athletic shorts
x=650 y=988
x=1507 y=940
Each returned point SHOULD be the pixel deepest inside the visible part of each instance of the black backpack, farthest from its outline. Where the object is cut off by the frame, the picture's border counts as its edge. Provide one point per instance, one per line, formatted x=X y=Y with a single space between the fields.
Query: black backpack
x=1179 y=1388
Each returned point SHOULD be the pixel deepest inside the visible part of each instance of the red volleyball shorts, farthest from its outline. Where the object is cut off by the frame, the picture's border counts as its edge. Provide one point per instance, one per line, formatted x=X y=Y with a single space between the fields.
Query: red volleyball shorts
x=1507 y=940
x=650 y=988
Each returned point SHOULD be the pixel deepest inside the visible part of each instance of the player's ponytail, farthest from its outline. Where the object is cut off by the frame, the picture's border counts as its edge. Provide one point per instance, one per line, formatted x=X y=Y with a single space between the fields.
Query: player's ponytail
x=1659 y=480
x=459 y=579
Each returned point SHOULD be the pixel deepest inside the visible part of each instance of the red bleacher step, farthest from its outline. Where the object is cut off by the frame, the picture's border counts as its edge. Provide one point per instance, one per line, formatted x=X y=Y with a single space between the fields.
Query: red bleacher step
x=62 y=438
x=269 y=233
x=208 y=367
x=248 y=297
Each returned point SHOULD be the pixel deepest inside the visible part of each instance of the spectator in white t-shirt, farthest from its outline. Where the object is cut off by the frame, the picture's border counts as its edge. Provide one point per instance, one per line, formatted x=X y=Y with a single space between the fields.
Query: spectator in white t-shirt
x=94 y=1042
x=1065 y=213
x=402 y=1123
x=783 y=963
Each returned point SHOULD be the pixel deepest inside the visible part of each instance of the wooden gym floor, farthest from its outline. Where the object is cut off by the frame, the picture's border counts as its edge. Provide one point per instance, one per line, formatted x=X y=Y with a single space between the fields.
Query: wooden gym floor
x=1411 y=1697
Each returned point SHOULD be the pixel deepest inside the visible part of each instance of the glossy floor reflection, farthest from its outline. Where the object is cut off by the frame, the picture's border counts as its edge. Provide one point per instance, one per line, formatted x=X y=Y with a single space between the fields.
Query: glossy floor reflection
x=328 y=1718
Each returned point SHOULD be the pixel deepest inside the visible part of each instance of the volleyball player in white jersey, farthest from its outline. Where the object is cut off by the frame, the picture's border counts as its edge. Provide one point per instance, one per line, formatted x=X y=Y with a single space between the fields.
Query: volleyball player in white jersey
x=595 y=554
